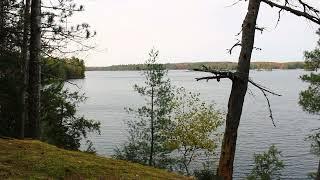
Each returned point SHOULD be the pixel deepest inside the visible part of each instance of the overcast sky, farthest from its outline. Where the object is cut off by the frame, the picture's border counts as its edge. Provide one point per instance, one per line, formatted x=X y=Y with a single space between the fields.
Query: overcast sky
x=188 y=31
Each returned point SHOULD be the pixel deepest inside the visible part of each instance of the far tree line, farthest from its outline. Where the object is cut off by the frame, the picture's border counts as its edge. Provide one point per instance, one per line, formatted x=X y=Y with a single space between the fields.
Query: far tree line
x=197 y=65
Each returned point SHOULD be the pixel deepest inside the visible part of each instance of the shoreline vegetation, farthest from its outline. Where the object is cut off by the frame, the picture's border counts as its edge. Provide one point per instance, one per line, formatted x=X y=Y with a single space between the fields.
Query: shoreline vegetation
x=64 y=68
x=212 y=65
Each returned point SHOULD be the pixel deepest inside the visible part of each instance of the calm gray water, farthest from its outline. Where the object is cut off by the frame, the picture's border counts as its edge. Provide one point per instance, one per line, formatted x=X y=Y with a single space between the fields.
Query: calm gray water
x=109 y=92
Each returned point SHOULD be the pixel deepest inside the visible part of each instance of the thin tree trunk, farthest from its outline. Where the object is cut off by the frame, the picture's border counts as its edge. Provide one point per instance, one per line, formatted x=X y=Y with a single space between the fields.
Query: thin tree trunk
x=35 y=70
x=152 y=128
x=238 y=92
x=2 y=27
x=186 y=168
x=318 y=173
x=24 y=69
x=62 y=114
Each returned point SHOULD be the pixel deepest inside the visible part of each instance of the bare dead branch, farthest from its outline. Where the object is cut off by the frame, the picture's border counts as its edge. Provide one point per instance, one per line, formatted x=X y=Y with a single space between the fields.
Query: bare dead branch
x=217 y=77
x=308 y=12
x=269 y=107
x=233 y=4
x=261 y=29
x=257 y=48
x=231 y=75
x=264 y=90
x=239 y=33
x=251 y=92
x=62 y=9
x=218 y=74
x=234 y=46
x=279 y=17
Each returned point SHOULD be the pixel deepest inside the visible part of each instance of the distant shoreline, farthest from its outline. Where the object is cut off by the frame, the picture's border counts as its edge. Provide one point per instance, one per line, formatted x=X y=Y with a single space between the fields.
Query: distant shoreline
x=195 y=65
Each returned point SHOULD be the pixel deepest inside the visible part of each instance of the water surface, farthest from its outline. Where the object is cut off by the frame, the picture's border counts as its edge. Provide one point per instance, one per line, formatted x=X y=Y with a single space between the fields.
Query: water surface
x=110 y=92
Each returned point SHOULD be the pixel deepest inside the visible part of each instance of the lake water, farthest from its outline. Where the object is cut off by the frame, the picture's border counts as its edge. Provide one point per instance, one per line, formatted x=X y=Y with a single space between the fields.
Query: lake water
x=110 y=92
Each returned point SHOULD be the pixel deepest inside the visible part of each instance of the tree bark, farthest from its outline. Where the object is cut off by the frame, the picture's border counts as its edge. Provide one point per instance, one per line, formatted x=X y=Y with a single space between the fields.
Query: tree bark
x=35 y=70
x=238 y=92
x=24 y=69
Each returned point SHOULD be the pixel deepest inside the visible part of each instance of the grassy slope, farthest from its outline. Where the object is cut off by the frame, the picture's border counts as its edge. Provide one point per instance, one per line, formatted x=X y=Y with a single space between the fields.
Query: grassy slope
x=36 y=160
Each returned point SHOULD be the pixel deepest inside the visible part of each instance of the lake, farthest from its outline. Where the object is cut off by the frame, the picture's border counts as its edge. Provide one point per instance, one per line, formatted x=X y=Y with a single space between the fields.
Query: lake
x=109 y=92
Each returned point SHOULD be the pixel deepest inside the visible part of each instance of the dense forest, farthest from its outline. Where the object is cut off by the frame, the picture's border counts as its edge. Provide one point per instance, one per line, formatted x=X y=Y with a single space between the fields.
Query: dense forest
x=67 y=68
x=34 y=67
x=196 y=65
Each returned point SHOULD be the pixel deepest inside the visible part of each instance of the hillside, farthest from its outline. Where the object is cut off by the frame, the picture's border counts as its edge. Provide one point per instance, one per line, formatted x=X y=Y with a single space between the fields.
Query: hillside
x=195 y=65
x=29 y=159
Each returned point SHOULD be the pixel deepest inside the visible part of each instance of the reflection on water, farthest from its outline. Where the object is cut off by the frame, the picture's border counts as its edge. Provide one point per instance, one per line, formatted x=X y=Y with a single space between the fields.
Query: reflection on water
x=109 y=92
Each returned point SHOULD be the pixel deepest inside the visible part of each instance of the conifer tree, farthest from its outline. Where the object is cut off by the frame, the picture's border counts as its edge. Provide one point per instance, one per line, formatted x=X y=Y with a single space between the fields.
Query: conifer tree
x=146 y=137
x=310 y=98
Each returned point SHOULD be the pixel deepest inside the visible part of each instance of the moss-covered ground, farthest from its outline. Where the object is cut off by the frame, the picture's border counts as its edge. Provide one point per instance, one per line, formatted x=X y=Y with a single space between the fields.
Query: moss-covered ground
x=29 y=159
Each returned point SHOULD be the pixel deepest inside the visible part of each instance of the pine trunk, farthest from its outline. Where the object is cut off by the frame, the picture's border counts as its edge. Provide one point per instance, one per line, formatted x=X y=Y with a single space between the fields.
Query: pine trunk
x=238 y=92
x=35 y=70
x=24 y=69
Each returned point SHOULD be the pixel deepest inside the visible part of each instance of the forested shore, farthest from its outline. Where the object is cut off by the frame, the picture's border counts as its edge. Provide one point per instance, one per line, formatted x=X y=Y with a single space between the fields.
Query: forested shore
x=197 y=65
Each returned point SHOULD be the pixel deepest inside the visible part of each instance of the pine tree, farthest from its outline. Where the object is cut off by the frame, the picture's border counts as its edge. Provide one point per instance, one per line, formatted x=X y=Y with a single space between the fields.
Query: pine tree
x=146 y=140
x=310 y=99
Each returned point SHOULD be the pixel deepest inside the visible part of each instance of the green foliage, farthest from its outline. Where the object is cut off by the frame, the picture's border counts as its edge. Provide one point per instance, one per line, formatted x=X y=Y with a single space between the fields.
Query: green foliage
x=60 y=125
x=194 y=130
x=312 y=175
x=177 y=123
x=146 y=137
x=10 y=36
x=312 y=61
x=315 y=142
x=293 y=65
x=63 y=69
x=10 y=75
x=56 y=38
x=206 y=173
x=267 y=166
x=309 y=99
x=9 y=94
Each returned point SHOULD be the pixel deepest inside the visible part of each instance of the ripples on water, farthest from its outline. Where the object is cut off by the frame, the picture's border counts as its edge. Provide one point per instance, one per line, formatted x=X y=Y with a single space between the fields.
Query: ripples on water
x=109 y=92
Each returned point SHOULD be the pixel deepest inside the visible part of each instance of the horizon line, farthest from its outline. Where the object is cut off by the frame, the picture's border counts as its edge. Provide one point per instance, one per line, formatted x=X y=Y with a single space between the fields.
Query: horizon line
x=254 y=61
